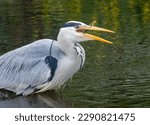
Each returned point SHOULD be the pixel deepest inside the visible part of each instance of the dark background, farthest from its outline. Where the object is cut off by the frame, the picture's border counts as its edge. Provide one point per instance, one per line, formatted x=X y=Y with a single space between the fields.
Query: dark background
x=115 y=75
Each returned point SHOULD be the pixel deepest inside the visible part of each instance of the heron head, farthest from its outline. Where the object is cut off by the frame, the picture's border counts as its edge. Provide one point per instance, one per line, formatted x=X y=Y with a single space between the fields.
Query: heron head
x=76 y=31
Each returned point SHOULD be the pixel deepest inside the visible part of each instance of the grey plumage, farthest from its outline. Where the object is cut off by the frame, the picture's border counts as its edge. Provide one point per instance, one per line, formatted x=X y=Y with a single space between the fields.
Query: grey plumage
x=25 y=69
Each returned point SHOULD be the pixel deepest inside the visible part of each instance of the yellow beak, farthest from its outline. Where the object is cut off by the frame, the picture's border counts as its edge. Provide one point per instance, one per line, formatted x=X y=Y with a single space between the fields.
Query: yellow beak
x=92 y=37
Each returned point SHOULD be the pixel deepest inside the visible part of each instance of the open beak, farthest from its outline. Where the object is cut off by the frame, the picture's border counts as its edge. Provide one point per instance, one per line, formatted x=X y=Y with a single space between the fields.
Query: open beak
x=92 y=37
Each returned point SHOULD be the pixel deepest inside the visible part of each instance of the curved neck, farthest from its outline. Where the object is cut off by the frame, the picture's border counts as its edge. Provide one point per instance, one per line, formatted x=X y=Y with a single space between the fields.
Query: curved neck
x=66 y=45
x=66 y=42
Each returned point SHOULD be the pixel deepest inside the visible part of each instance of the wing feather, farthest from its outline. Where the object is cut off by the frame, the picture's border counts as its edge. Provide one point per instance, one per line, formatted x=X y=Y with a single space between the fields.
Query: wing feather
x=25 y=67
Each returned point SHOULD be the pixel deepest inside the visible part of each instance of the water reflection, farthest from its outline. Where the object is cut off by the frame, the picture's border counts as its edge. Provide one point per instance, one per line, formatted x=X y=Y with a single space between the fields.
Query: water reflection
x=113 y=76
x=49 y=99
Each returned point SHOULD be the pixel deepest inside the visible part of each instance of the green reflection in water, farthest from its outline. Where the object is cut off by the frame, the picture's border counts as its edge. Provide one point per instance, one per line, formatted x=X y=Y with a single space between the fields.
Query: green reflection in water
x=114 y=75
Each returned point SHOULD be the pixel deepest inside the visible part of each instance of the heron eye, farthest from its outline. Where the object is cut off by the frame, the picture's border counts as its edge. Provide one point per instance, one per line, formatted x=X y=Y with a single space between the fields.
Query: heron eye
x=80 y=30
x=77 y=26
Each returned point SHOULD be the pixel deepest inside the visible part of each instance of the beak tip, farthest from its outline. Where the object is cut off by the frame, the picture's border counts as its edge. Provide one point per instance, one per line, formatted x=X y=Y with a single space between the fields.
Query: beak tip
x=112 y=31
x=110 y=42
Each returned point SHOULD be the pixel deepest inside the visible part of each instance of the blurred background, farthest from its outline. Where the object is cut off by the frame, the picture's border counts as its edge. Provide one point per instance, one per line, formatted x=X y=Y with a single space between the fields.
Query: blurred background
x=115 y=75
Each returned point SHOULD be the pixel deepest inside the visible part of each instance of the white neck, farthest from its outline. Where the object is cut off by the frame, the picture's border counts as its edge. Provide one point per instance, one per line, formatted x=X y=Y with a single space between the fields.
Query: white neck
x=66 y=45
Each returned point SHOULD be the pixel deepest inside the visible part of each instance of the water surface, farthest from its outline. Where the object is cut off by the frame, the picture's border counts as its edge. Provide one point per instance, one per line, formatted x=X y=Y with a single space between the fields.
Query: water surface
x=115 y=75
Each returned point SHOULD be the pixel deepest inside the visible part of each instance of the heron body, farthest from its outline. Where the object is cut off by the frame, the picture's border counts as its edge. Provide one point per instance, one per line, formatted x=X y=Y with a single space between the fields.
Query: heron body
x=46 y=64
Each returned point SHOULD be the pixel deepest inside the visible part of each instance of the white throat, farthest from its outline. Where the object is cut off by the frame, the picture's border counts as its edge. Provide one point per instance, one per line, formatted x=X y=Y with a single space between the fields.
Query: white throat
x=65 y=43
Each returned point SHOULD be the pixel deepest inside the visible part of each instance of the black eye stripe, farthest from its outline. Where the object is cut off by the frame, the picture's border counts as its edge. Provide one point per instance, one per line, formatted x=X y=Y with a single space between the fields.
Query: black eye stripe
x=71 y=24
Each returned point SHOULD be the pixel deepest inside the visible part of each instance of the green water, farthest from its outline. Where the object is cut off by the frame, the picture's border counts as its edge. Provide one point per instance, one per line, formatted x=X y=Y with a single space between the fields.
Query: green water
x=115 y=75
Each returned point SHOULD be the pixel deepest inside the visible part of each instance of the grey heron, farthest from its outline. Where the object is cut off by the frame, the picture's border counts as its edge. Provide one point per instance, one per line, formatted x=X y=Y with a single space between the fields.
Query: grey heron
x=47 y=64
